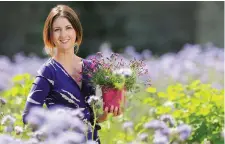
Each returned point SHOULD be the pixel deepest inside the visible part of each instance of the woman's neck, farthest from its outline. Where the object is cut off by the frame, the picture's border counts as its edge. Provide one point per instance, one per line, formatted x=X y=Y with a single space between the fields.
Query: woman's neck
x=67 y=59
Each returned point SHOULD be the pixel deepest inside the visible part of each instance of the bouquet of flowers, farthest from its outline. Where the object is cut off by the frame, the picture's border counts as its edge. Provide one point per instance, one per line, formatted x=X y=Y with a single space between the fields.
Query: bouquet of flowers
x=115 y=76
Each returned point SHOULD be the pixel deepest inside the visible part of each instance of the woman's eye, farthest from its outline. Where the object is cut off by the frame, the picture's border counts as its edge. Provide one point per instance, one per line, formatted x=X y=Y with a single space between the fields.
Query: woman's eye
x=69 y=27
x=56 y=30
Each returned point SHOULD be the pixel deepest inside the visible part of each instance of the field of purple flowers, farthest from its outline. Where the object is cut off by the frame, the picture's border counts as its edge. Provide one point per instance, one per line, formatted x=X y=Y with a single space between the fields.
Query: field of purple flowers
x=185 y=103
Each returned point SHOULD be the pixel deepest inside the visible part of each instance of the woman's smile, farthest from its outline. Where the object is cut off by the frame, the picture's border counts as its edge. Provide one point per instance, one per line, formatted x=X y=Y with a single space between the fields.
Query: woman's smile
x=64 y=41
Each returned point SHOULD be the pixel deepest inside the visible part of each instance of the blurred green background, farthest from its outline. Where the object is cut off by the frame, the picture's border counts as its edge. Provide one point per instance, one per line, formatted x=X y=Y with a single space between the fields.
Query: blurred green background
x=158 y=26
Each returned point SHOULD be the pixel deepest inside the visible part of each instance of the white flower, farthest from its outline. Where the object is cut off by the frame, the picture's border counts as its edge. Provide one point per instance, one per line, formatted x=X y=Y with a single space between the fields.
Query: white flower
x=126 y=72
x=169 y=104
x=93 y=100
x=18 y=130
x=152 y=111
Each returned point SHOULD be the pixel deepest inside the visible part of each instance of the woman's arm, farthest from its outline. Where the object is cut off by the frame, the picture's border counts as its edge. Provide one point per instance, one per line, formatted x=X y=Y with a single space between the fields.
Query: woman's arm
x=37 y=95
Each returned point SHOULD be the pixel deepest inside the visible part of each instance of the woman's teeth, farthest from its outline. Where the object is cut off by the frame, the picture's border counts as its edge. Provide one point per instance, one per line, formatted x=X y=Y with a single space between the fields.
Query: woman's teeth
x=64 y=41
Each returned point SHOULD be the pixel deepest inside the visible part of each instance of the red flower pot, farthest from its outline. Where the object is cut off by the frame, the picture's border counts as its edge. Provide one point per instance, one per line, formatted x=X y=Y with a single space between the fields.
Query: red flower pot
x=112 y=97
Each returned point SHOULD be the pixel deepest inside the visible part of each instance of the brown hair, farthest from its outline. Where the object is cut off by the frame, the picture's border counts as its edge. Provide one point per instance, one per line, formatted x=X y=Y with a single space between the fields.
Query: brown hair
x=61 y=11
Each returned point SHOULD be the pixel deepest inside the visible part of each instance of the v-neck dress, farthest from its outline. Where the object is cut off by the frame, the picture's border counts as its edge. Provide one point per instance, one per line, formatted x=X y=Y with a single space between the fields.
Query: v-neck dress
x=56 y=88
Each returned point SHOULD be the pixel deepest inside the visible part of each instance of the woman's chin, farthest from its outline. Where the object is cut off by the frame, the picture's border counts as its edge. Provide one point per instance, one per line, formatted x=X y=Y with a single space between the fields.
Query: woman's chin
x=65 y=48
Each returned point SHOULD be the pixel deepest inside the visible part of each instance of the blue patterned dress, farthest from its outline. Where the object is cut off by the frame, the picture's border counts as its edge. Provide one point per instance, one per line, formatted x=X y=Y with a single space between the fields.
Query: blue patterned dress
x=55 y=87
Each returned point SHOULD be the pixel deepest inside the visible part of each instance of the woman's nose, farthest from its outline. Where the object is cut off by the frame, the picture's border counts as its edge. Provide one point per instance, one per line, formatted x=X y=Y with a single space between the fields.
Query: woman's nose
x=63 y=33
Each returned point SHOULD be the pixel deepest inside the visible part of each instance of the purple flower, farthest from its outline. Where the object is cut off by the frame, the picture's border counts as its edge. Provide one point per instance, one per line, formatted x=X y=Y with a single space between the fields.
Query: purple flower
x=99 y=54
x=39 y=135
x=158 y=125
x=155 y=124
x=165 y=131
x=54 y=124
x=143 y=137
x=36 y=117
x=92 y=66
x=112 y=55
x=2 y=101
x=169 y=119
x=70 y=138
x=77 y=113
x=184 y=131
x=32 y=141
x=159 y=138
x=6 y=139
x=128 y=125
x=8 y=129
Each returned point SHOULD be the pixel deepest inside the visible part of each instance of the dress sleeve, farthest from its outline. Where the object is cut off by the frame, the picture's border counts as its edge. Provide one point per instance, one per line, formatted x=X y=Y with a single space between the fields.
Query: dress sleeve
x=40 y=89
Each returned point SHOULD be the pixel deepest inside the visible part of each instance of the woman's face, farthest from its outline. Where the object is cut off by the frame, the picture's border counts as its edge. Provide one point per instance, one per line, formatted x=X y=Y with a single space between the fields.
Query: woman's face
x=63 y=34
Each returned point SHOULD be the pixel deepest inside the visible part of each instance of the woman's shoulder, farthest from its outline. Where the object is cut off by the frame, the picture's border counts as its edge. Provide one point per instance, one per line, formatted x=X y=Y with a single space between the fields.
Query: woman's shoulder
x=46 y=69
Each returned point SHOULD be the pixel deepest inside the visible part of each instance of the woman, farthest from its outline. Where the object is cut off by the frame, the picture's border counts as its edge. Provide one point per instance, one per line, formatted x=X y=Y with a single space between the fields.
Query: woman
x=61 y=81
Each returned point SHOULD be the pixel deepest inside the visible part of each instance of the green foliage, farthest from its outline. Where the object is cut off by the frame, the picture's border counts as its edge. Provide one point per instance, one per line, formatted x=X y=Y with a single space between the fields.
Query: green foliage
x=16 y=98
x=196 y=104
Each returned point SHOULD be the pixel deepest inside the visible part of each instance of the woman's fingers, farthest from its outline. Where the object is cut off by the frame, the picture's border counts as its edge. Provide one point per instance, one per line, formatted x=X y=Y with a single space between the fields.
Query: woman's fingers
x=115 y=111
x=106 y=110
x=111 y=109
x=120 y=111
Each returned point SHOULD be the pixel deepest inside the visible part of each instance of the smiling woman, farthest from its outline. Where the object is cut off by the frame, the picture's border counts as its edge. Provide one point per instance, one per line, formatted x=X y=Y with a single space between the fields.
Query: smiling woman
x=61 y=81
x=60 y=21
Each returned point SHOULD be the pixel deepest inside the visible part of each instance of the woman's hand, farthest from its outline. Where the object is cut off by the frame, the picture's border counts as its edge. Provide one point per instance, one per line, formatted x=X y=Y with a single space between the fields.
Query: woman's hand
x=116 y=112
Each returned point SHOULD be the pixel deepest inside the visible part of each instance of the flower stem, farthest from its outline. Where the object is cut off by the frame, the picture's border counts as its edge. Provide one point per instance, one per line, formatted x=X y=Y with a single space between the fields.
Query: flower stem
x=86 y=133
x=93 y=127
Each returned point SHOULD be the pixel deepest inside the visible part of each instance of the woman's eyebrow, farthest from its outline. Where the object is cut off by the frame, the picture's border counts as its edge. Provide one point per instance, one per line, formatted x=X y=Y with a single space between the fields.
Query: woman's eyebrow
x=60 y=27
x=55 y=27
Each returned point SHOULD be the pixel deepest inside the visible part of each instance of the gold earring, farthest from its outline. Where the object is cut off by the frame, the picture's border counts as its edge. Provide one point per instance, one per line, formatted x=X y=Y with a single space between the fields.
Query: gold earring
x=53 y=51
x=76 y=47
